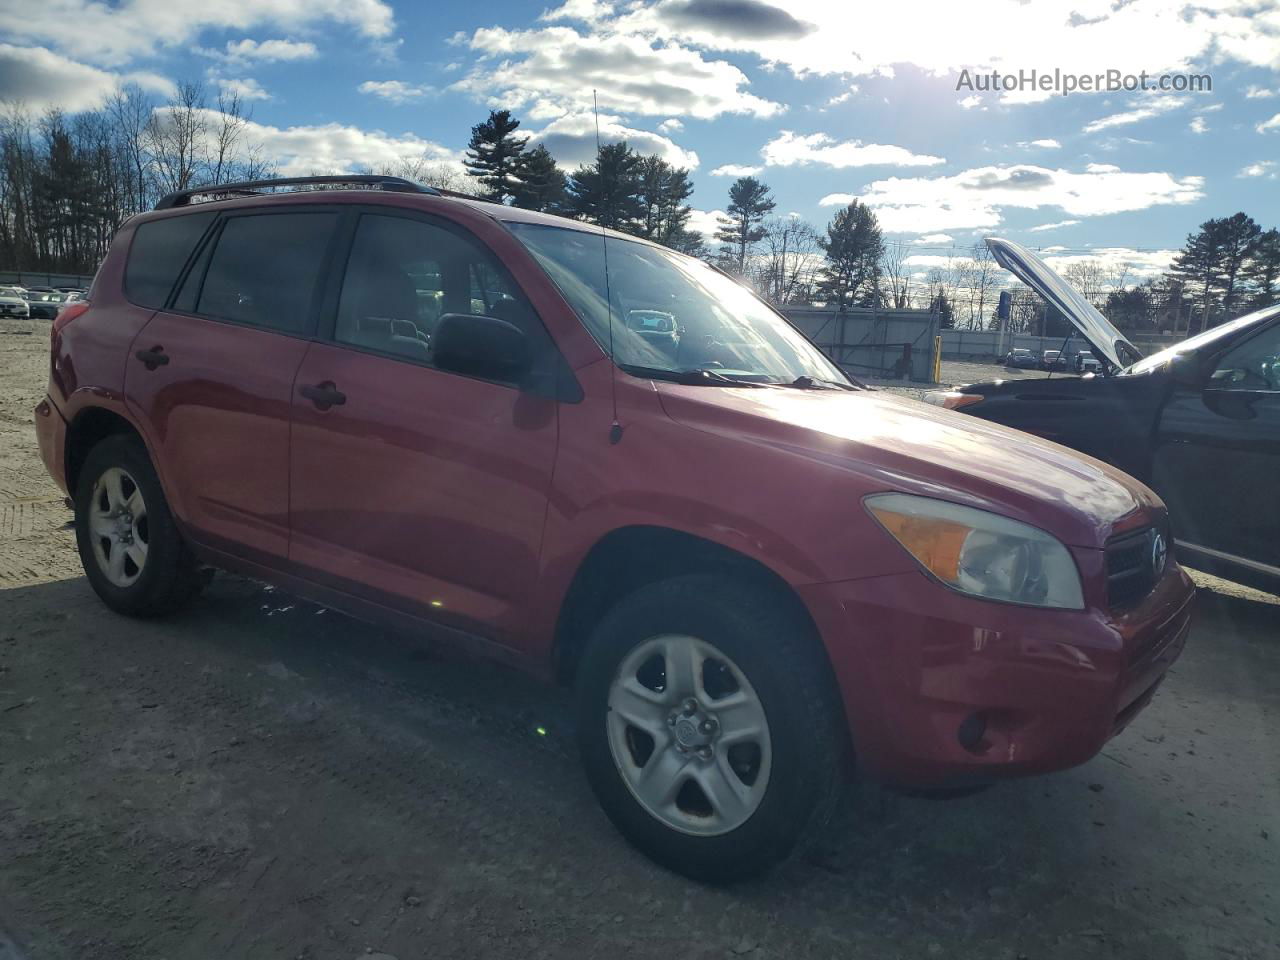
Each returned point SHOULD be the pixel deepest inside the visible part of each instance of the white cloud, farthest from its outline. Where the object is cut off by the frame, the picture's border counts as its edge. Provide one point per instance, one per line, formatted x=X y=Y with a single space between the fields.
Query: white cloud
x=969 y=102
x=267 y=50
x=1052 y=226
x=936 y=238
x=1198 y=125
x=1140 y=263
x=735 y=170
x=1047 y=144
x=572 y=140
x=1263 y=168
x=1085 y=36
x=1260 y=93
x=843 y=97
x=39 y=79
x=335 y=147
x=553 y=71
x=395 y=91
x=789 y=149
x=705 y=222
x=246 y=88
x=671 y=125
x=974 y=199
x=1152 y=108
x=113 y=34
x=1272 y=124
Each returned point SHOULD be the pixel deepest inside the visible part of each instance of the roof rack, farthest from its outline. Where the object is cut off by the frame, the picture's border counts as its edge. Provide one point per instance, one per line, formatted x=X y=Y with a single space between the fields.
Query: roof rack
x=251 y=188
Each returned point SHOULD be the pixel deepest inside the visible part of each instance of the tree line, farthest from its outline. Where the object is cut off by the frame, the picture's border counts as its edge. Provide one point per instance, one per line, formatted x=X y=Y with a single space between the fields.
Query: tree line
x=68 y=181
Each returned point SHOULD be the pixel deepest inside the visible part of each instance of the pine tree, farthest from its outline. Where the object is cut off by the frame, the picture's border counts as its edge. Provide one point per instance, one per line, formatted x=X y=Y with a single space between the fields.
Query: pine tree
x=608 y=191
x=541 y=182
x=853 y=247
x=749 y=204
x=1212 y=263
x=494 y=155
x=663 y=192
x=1262 y=274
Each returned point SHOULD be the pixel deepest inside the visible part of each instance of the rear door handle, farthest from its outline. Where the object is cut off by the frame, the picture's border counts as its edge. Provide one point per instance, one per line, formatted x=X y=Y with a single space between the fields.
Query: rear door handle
x=155 y=357
x=323 y=395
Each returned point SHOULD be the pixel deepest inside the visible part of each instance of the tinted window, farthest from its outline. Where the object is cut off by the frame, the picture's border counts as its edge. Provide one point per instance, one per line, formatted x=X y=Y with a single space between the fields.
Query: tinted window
x=264 y=268
x=403 y=275
x=159 y=250
x=1254 y=365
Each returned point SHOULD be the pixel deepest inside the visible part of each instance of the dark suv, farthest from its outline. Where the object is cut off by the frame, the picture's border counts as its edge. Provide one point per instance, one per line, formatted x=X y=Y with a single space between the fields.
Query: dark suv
x=448 y=415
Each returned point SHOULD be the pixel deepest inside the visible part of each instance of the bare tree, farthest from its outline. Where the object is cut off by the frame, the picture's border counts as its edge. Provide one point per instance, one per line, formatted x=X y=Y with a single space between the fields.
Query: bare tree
x=895 y=275
x=175 y=137
x=790 y=260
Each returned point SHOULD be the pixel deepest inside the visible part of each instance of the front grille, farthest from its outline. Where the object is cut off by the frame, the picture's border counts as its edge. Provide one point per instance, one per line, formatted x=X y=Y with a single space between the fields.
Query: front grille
x=1134 y=564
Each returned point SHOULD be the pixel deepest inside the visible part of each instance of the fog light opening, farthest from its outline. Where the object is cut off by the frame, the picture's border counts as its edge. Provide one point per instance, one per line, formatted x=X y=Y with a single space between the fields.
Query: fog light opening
x=972 y=733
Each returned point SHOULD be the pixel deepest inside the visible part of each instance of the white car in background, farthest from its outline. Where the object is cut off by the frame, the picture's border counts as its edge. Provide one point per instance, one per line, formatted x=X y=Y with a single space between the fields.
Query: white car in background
x=12 y=304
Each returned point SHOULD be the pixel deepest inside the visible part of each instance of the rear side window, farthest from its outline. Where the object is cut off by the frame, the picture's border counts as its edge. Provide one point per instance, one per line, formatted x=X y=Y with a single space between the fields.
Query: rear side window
x=264 y=269
x=159 y=250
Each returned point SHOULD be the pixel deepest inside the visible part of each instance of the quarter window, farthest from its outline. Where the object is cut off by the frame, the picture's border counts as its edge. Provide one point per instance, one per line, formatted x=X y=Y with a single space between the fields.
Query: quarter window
x=403 y=275
x=264 y=269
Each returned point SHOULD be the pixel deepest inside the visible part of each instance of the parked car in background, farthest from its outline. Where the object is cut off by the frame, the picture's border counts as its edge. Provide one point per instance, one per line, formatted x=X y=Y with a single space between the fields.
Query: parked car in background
x=751 y=570
x=1021 y=359
x=1198 y=422
x=1052 y=360
x=12 y=303
x=657 y=327
x=1087 y=363
x=45 y=304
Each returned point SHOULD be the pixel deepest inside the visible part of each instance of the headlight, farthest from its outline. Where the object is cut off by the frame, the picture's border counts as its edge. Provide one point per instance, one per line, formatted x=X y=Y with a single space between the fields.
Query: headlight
x=951 y=399
x=981 y=553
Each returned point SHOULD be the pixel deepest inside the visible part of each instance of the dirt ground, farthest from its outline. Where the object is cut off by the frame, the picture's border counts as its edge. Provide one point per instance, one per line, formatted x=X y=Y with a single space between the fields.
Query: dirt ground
x=259 y=777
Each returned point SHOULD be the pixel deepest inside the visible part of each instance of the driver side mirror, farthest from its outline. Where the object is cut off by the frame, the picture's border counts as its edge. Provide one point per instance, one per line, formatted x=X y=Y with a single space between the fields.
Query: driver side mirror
x=484 y=347
x=1187 y=370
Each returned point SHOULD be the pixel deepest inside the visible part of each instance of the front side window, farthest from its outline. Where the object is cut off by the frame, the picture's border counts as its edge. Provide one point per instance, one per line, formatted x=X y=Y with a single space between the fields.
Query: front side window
x=668 y=313
x=1253 y=365
x=263 y=271
x=403 y=275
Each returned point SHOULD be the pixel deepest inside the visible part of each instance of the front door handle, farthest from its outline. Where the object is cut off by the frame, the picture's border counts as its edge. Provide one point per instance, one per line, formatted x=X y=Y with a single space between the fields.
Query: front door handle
x=323 y=395
x=155 y=357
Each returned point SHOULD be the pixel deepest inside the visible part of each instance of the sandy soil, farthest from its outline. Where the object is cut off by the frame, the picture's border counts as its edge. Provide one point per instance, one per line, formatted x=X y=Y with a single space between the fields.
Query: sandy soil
x=262 y=778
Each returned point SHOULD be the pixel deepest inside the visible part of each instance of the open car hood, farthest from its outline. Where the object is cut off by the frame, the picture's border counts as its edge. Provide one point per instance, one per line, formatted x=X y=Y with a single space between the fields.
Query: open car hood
x=1108 y=342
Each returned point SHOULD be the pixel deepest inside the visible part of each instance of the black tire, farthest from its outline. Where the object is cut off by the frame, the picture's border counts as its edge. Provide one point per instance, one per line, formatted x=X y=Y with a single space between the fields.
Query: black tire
x=785 y=665
x=170 y=577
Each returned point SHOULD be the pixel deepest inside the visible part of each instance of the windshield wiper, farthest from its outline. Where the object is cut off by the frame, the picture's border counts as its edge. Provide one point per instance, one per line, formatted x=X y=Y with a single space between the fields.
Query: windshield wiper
x=697 y=377
x=815 y=383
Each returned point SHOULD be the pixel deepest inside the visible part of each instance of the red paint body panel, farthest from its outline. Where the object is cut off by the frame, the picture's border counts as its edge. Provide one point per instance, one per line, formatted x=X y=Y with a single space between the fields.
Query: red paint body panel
x=464 y=503
x=424 y=486
x=217 y=416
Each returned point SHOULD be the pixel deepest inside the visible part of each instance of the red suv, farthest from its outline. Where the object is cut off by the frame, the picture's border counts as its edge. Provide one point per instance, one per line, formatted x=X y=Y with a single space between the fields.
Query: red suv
x=446 y=414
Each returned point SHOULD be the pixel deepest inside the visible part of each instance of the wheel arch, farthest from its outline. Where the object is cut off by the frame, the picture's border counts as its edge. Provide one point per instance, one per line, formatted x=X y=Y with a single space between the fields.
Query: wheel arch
x=627 y=558
x=87 y=429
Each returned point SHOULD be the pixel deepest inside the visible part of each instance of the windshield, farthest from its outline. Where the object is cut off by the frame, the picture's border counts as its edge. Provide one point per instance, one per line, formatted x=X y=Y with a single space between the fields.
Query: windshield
x=1156 y=360
x=672 y=313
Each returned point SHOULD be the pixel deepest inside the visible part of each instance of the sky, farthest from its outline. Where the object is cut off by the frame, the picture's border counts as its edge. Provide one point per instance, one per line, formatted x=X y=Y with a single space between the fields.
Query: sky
x=888 y=103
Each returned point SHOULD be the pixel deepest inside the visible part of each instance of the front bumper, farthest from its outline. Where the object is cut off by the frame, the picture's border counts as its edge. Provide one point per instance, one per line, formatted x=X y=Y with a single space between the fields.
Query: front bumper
x=51 y=435
x=941 y=689
x=12 y=312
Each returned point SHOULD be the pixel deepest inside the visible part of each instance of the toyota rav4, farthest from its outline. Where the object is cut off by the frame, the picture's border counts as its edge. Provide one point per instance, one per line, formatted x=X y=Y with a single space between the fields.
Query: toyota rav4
x=756 y=574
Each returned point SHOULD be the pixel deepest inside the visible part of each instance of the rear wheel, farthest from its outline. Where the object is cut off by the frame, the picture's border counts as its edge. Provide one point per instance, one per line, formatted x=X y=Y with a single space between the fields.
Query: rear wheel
x=709 y=727
x=130 y=548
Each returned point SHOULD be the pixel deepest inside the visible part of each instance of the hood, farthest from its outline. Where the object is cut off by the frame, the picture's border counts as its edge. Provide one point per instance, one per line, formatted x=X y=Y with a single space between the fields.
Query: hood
x=1109 y=342
x=886 y=442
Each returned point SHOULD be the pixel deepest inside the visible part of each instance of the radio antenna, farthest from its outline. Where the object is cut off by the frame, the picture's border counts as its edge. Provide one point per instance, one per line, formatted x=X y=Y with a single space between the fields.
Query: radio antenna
x=615 y=429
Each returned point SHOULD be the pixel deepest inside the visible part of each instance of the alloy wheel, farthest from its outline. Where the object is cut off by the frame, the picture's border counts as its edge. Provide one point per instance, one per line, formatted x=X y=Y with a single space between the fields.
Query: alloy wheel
x=689 y=735
x=118 y=526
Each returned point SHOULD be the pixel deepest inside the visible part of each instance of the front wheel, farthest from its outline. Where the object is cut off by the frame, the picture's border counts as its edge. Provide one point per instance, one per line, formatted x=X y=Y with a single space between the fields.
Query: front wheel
x=131 y=550
x=709 y=727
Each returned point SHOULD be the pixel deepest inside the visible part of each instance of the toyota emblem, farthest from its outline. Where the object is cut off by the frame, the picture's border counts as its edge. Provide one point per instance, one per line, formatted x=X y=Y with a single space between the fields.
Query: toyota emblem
x=1159 y=552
